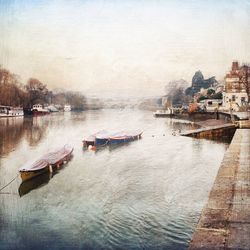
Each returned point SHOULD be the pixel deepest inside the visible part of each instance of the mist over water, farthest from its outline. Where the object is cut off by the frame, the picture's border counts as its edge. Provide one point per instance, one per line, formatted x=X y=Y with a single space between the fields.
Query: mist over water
x=147 y=194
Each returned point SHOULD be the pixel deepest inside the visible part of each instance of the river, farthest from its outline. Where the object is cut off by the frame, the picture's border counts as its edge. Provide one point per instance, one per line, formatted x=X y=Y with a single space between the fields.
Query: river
x=147 y=194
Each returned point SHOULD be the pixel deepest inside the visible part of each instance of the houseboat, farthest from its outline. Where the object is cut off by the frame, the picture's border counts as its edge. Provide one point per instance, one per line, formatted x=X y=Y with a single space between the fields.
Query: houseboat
x=8 y=111
x=164 y=112
x=67 y=108
x=38 y=109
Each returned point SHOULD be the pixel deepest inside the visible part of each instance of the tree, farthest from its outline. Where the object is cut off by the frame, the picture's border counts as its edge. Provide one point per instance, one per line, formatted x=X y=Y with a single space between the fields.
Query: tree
x=11 y=90
x=37 y=91
x=210 y=92
x=245 y=80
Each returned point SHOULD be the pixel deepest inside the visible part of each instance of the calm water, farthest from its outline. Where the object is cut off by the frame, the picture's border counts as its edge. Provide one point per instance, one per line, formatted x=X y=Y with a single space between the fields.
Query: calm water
x=144 y=195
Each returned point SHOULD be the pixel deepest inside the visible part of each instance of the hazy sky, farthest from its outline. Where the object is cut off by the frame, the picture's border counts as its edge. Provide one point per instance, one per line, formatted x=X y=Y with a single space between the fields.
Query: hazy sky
x=122 y=47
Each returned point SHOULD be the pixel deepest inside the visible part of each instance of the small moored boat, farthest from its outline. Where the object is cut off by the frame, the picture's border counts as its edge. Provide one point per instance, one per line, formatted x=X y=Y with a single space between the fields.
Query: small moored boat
x=46 y=163
x=164 y=113
x=67 y=108
x=104 y=138
x=38 y=109
x=125 y=136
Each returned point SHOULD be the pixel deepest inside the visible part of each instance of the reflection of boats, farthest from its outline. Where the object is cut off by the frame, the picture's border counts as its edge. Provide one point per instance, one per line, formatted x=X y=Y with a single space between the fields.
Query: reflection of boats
x=26 y=186
x=38 y=109
x=105 y=138
x=46 y=163
x=67 y=108
x=8 y=111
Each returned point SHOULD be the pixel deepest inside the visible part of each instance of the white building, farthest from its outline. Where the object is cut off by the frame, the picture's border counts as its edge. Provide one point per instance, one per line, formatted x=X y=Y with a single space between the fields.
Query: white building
x=236 y=84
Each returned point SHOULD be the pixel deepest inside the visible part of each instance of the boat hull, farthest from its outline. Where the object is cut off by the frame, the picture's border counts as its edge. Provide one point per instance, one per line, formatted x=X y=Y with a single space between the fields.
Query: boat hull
x=88 y=143
x=124 y=139
x=101 y=141
x=27 y=175
x=19 y=115
x=47 y=163
x=37 y=112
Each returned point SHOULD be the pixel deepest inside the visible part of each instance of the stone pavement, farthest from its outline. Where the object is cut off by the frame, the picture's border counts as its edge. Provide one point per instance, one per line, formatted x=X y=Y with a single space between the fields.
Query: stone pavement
x=225 y=220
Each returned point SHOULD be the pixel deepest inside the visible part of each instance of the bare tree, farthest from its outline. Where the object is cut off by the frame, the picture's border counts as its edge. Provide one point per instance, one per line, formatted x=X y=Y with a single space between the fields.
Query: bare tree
x=11 y=90
x=245 y=79
x=37 y=91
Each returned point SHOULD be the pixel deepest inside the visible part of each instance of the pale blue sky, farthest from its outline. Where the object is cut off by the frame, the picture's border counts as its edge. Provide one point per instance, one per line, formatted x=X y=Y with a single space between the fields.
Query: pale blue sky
x=122 y=47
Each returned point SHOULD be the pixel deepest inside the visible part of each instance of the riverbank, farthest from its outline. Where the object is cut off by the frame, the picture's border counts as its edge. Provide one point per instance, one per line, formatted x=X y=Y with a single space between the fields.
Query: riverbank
x=202 y=116
x=225 y=220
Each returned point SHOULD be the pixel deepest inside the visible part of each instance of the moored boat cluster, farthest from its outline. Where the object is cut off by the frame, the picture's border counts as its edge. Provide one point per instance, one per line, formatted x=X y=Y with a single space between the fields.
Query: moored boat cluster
x=103 y=138
x=55 y=159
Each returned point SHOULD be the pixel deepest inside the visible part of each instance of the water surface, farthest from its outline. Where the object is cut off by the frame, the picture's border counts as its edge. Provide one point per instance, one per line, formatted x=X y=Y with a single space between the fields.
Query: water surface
x=147 y=194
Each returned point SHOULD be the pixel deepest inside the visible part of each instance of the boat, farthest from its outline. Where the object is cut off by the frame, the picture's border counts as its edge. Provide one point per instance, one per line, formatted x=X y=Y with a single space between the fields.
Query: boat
x=52 y=108
x=46 y=163
x=8 y=111
x=67 y=108
x=163 y=113
x=103 y=138
x=125 y=136
x=99 y=138
x=38 y=109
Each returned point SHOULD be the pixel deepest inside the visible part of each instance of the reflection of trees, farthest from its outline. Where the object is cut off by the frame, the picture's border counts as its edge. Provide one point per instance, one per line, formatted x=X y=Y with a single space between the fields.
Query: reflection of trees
x=12 y=130
x=34 y=129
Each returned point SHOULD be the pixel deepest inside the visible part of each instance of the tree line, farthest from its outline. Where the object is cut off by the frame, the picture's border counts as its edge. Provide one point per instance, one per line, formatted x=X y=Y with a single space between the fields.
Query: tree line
x=15 y=93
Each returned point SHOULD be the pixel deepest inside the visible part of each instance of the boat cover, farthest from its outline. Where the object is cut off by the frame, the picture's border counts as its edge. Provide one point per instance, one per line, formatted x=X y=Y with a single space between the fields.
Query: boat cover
x=108 y=135
x=48 y=159
x=126 y=134
x=92 y=137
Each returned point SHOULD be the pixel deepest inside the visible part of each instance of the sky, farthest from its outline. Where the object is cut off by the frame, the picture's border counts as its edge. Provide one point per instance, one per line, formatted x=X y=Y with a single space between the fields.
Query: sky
x=122 y=48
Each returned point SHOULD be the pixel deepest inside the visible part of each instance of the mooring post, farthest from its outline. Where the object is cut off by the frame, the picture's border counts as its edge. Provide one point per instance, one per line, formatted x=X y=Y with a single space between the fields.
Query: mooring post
x=50 y=169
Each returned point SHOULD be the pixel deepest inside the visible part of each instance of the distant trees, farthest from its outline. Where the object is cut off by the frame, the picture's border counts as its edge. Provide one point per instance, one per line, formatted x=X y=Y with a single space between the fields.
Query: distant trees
x=75 y=99
x=37 y=91
x=244 y=79
x=11 y=90
x=14 y=93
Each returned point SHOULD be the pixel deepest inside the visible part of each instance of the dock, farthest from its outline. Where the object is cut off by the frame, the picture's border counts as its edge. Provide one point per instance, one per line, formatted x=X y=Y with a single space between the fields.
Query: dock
x=212 y=132
x=225 y=219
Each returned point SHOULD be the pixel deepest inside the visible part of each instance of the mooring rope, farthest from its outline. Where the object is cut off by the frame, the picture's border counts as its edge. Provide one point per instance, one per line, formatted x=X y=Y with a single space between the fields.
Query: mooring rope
x=9 y=183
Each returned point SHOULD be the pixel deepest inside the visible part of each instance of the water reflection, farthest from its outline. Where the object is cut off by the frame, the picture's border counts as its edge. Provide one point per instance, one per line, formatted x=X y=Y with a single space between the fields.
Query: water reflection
x=13 y=130
x=35 y=129
x=34 y=183
x=143 y=195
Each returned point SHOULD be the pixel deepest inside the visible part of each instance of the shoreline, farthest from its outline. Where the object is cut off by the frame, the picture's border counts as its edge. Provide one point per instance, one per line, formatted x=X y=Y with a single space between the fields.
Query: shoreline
x=225 y=222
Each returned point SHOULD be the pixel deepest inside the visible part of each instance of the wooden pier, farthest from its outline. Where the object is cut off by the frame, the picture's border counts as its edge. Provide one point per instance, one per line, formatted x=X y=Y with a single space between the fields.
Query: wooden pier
x=225 y=220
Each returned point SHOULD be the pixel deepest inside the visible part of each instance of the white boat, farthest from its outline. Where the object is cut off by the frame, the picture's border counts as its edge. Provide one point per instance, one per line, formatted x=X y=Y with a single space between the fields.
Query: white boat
x=163 y=113
x=38 y=109
x=67 y=108
x=52 y=108
x=8 y=111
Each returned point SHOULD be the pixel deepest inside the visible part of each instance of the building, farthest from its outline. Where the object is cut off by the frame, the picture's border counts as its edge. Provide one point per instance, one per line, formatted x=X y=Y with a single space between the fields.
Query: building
x=237 y=87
